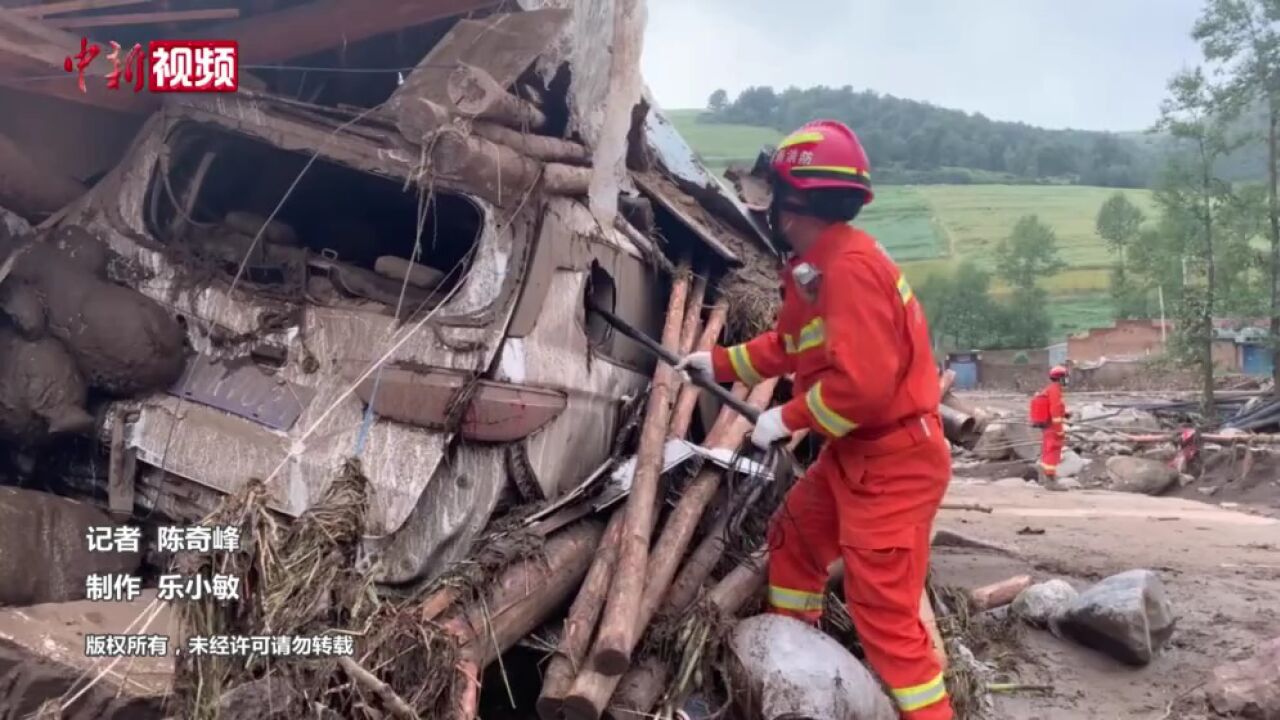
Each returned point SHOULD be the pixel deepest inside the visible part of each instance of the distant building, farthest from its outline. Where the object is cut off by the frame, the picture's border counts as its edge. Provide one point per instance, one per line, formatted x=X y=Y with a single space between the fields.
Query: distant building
x=1239 y=344
x=1126 y=339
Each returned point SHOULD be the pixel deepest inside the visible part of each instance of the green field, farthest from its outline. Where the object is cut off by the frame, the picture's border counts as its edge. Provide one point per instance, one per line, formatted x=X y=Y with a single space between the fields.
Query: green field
x=930 y=228
x=720 y=145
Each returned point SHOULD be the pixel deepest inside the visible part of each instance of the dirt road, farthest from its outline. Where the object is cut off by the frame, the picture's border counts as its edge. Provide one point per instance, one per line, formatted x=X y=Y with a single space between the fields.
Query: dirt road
x=1220 y=567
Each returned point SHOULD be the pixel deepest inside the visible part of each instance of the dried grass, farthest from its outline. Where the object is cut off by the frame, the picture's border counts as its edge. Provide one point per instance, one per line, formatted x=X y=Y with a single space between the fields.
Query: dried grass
x=297 y=580
x=752 y=294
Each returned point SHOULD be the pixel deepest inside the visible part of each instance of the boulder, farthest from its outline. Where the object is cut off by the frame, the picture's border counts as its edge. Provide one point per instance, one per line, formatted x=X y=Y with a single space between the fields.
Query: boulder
x=1001 y=441
x=123 y=342
x=269 y=698
x=20 y=303
x=1043 y=603
x=1127 y=616
x=1249 y=688
x=54 y=530
x=1071 y=464
x=41 y=391
x=1140 y=475
x=791 y=670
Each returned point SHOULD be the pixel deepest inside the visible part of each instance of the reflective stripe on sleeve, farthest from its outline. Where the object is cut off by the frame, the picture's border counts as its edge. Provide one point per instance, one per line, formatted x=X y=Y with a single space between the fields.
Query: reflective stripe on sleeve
x=740 y=359
x=832 y=422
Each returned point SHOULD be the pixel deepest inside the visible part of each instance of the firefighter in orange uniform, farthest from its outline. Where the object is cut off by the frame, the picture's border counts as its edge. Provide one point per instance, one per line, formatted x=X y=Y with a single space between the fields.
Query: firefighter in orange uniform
x=854 y=335
x=1055 y=431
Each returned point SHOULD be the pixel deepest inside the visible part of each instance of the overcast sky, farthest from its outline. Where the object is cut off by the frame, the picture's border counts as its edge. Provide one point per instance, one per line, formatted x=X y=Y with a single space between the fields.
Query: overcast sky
x=1088 y=64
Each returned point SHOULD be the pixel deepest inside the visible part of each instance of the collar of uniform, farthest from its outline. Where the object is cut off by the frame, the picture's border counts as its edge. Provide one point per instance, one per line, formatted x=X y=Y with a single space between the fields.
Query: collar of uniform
x=829 y=240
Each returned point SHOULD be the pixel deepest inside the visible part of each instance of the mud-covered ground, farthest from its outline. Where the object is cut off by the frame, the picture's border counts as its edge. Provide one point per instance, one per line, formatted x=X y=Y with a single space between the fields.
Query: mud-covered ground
x=1221 y=568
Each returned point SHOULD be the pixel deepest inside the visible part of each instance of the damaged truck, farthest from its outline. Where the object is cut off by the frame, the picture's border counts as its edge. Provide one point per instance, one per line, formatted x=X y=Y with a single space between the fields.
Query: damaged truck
x=408 y=284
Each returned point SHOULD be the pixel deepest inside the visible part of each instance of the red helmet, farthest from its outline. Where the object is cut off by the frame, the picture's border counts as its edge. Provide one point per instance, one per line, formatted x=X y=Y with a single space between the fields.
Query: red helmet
x=1057 y=372
x=823 y=154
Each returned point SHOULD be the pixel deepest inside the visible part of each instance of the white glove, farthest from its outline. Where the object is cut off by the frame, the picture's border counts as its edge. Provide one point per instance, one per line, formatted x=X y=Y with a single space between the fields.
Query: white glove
x=698 y=362
x=769 y=429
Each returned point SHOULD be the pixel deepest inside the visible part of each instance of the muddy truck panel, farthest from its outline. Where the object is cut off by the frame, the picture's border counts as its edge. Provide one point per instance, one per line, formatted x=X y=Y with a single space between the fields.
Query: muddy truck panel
x=278 y=384
x=554 y=342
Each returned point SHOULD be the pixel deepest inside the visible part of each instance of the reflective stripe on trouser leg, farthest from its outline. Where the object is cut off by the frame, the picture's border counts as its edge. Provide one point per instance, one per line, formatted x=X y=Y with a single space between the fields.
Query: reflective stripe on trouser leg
x=883 y=585
x=920 y=696
x=798 y=601
x=803 y=542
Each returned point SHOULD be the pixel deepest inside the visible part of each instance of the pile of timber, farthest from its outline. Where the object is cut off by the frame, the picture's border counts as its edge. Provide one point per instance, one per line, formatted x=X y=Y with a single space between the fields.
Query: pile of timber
x=490 y=139
x=636 y=570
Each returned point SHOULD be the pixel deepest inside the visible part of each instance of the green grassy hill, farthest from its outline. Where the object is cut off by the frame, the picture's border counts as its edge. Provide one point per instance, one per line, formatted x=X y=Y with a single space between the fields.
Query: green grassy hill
x=930 y=228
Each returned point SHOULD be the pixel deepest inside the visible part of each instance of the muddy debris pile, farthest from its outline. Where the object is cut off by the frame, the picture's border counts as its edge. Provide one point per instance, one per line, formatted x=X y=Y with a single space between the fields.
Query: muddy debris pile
x=69 y=329
x=557 y=609
x=1151 y=447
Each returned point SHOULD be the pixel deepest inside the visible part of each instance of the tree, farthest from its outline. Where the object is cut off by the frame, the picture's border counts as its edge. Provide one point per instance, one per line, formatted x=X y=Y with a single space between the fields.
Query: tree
x=1028 y=254
x=1243 y=38
x=1118 y=223
x=1190 y=197
x=915 y=142
x=1026 y=322
x=962 y=313
x=718 y=101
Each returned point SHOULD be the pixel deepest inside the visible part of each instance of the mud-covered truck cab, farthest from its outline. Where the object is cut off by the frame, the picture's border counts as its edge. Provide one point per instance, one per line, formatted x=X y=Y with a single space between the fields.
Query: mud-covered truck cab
x=338 y=300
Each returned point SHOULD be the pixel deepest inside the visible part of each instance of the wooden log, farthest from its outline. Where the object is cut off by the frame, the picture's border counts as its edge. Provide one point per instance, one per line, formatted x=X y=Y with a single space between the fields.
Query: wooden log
x=693 y=314
x=144 y=18
x=475 y=93
x=1001 y=593
x=517 y=603
x=642 y=687
x=69 y=6
x=681 y=418
x=640 y=690
x=535 y=146
x=683 y=520
x=704 y=558
x=468 y=703
x=580 y=624
x=595 y=685
x=496 y=172
x=418 y=118
x=438 y=602
x=526 y=594
x=560 y=179
x=687 y=401
x=695 y=571
x=741 y=584
x=391 y=700
x=969 y=507
x=618 y=627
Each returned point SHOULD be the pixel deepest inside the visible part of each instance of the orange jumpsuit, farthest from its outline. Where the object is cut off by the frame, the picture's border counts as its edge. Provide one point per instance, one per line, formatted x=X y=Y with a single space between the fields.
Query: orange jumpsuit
x=865 y=380
x=1055 y=435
